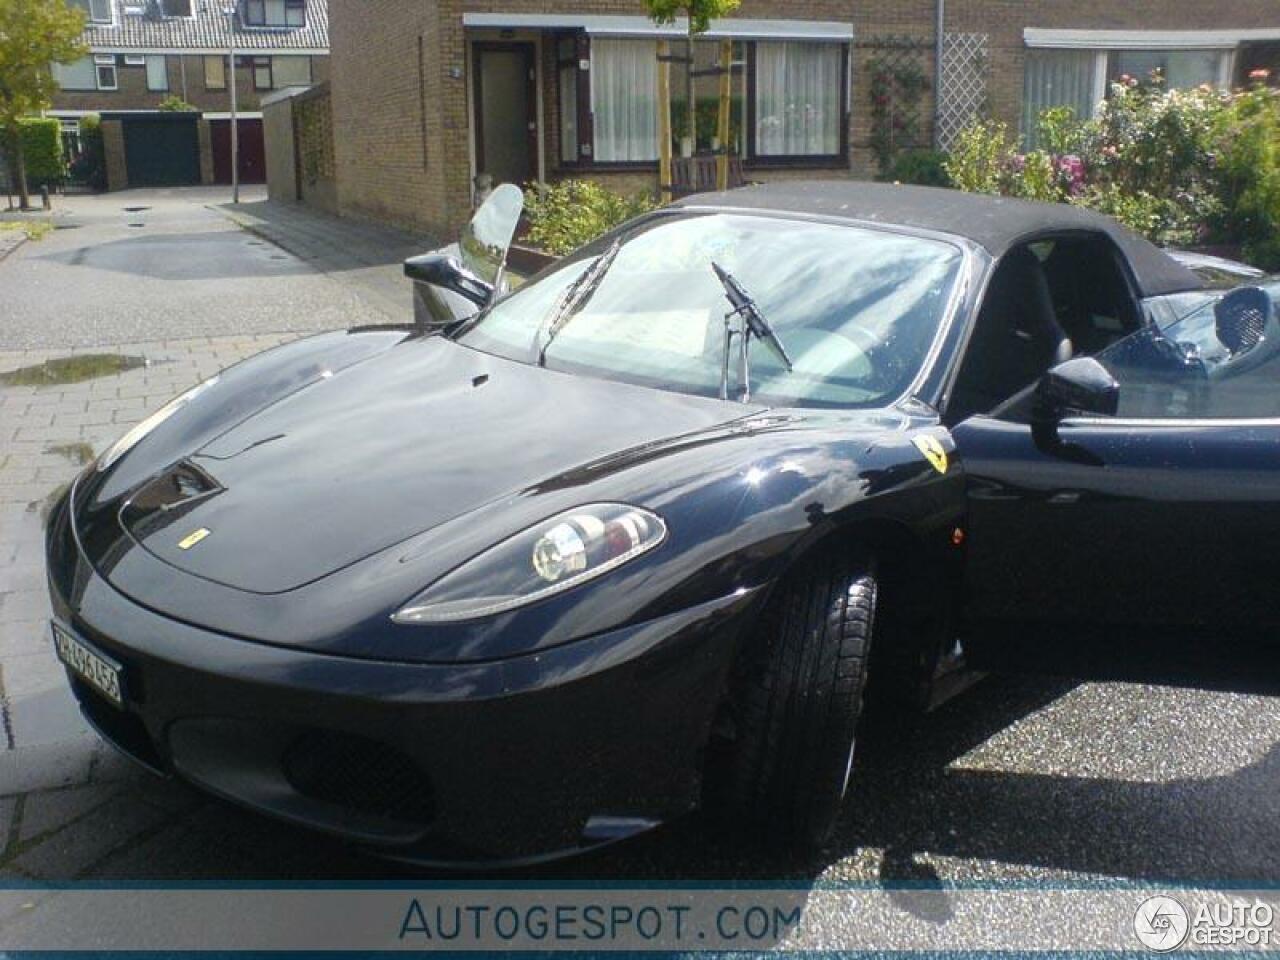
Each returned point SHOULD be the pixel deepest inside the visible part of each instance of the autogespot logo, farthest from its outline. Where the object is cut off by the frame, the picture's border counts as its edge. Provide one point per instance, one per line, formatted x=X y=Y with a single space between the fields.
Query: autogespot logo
x=1161 y=923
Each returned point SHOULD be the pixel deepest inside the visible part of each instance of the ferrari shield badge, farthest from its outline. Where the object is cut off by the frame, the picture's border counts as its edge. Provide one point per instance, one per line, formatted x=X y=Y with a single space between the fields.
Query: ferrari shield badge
x=933 y=451
x=192 y=538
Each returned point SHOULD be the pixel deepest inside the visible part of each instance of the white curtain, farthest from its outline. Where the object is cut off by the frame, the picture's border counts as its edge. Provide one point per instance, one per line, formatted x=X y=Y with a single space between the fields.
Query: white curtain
x=79 y=75
x=624 y=99
x=798 y=94
x=157 y=73
x=1056 y=78
x=291 y=71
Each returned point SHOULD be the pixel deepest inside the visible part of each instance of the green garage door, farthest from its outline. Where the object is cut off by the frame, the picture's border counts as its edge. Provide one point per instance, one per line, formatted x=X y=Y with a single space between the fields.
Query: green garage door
x=161 y=150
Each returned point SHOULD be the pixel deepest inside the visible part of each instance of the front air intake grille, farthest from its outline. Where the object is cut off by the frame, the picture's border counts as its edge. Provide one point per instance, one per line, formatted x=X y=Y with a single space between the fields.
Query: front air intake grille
x=359 y=774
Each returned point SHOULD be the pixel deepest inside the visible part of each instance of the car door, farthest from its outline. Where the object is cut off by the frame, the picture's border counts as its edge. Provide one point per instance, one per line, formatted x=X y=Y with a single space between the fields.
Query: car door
x=1147 y=543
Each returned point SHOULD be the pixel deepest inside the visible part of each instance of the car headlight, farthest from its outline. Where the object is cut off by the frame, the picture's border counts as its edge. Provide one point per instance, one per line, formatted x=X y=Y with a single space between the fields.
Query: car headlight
x=548 y=558
x=130 y=439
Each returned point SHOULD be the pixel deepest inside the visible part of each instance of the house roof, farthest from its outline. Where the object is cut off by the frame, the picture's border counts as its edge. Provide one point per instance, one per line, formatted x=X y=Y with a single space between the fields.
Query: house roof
x=207 y=30
x=995 y=223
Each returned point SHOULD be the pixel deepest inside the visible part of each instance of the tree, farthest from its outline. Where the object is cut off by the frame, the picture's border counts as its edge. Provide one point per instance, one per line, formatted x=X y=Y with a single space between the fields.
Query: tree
x=700 y=14
x=34 y=35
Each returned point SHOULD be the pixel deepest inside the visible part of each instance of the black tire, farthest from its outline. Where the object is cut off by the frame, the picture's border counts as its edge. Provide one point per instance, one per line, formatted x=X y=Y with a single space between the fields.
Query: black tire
x=795 y=700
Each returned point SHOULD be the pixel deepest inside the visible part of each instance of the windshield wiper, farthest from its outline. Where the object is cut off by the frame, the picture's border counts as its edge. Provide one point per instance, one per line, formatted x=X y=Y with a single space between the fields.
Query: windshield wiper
x=574 y=298
x=754 y=325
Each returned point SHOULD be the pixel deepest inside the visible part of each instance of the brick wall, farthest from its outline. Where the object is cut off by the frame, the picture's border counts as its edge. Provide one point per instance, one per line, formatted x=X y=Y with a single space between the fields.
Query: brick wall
x=113 y=154
x=1004 y=21
x=186 y=80
x=401 y=110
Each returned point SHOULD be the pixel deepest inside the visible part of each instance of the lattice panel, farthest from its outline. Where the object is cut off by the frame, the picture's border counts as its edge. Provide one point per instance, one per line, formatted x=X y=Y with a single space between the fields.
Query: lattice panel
x=964 y=83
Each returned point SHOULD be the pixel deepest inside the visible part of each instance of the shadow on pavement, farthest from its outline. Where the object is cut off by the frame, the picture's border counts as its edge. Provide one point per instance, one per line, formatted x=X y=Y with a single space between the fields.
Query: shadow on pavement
x=189 y=256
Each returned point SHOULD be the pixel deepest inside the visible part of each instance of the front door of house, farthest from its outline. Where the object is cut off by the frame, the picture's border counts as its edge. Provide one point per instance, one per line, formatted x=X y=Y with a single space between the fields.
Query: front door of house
x=505 y=112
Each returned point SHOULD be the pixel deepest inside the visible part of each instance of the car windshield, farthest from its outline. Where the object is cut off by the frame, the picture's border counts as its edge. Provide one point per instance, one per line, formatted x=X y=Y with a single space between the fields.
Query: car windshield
x=1217 y=361
x=856 y=309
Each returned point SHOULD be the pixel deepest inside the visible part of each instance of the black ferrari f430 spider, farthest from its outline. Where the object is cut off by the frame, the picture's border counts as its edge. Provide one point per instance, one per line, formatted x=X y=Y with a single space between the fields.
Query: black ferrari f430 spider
x=555 y=564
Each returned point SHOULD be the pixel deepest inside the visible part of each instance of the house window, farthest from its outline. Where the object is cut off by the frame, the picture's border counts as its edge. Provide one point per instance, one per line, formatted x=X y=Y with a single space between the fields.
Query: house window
x=291 y=71
x=157 y=73
x=79 y=75
x=134 y=60
x=567 y=86
x=98 y=11
x=105 y=68
x=797 y=108
x=176 y=8
x=1058 y=78
x=215 y=73
x=1180 y=69
x=800 y=99
x=261 y=73
x=275 y=13
x=1081 y=79
x=624 y=100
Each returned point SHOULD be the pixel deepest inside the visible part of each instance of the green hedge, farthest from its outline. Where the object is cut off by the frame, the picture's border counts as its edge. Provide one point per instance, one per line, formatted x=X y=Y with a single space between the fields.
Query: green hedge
x=42 y=151
x=90 y=167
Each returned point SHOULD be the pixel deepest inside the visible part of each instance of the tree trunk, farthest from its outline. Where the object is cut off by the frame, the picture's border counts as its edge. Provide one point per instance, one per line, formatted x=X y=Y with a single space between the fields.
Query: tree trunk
x=691 y=122
x=18 y=157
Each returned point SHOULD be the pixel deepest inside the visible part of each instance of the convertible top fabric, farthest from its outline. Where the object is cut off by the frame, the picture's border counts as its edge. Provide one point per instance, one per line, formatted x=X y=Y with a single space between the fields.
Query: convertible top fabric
x=995 y=223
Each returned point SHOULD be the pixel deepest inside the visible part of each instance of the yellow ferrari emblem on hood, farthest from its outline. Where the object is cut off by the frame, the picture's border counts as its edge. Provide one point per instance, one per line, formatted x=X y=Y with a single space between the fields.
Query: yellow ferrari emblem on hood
x=933 y=451
x=192 y=538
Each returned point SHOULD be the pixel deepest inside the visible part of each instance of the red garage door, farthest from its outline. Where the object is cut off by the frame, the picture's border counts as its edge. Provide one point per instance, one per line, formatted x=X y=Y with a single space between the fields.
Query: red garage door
x=253 y=158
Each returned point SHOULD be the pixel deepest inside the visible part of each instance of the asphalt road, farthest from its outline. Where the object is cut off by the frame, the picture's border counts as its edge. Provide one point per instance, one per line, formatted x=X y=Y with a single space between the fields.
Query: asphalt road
x=1020 y=779
x=155 y=265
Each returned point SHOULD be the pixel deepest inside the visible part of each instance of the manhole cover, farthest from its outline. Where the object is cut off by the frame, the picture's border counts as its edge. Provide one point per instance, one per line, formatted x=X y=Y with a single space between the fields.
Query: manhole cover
x=137 y=224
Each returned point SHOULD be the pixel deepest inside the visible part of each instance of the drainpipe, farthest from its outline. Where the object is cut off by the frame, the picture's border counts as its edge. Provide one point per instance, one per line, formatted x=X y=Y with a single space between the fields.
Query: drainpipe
x=938 y=33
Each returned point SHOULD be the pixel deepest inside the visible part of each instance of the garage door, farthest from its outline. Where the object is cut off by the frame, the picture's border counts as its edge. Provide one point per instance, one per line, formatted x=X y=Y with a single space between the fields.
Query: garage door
x=161 y=150
x=253 y=158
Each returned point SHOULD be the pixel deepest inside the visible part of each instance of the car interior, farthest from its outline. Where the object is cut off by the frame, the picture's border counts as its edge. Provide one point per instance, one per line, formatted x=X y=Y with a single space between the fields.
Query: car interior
x=1048 y=301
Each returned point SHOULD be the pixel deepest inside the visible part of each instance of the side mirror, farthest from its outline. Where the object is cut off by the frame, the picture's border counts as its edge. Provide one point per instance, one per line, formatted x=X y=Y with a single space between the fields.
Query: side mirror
x=1079 y=386
x=442 y=270
x=486 y=240
x=452 y=284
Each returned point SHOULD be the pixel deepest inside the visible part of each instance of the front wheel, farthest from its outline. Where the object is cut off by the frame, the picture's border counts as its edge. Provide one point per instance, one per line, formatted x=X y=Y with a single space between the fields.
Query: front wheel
x=794 y=703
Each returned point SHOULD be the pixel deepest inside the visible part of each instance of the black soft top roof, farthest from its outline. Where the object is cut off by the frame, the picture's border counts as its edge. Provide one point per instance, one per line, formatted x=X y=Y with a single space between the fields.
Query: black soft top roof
x=994 y=223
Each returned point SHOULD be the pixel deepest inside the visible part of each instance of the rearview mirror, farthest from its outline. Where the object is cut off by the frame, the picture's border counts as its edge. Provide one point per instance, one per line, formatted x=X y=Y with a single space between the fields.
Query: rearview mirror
x=1079 y=386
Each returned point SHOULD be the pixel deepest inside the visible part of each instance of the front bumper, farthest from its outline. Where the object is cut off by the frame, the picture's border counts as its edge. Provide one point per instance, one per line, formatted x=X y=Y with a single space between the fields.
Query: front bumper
x=508 y=760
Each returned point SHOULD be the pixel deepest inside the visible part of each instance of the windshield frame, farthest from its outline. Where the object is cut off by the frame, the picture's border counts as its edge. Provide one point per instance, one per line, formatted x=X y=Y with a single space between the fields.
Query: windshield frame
x=958 y=297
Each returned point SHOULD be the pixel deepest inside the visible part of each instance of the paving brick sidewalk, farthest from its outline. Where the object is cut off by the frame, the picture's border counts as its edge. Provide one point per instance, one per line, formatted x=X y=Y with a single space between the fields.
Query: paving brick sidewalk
x=48 y=756
x=366 y=256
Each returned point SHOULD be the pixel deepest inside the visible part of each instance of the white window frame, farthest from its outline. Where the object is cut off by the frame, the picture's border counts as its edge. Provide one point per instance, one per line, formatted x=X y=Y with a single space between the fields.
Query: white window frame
x=104 y=61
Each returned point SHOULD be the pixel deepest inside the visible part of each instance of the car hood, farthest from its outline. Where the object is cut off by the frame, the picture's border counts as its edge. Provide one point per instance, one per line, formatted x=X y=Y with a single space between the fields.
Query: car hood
x=385 y=450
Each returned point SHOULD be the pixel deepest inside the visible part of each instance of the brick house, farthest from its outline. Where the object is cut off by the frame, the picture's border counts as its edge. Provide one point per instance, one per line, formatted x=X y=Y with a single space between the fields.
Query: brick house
x=427 y=94
x=144 y=51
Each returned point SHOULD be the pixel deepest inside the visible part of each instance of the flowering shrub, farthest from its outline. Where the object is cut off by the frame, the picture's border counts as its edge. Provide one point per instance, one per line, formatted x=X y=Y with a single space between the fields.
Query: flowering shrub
x=1179 y=166
x=1248 y=167
x=564 y=216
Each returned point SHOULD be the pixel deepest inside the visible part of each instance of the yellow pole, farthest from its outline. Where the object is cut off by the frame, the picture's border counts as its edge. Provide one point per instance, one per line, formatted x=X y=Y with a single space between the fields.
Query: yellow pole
x=726 y=103
x=664 y=119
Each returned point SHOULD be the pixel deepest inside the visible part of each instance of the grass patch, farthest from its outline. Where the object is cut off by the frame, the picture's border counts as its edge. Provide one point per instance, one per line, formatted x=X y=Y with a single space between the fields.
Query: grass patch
x=84 y=366
x=34 y=229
